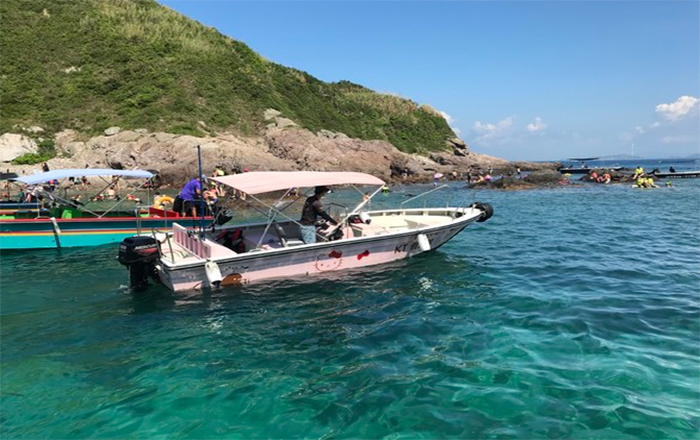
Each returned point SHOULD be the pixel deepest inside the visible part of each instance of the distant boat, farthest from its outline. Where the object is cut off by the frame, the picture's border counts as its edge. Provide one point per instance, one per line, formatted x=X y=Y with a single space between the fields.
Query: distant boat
x=582 y=168
x=573 y=170
x=677 y=175
x=60 y=222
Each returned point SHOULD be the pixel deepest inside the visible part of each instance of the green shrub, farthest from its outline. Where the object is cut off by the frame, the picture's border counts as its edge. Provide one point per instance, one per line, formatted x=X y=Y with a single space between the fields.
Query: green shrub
x=30 y=159
x=90 y=64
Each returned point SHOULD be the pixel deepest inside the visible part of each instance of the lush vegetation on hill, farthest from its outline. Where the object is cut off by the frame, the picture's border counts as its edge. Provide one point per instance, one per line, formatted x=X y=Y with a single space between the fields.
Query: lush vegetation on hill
x=92 y=64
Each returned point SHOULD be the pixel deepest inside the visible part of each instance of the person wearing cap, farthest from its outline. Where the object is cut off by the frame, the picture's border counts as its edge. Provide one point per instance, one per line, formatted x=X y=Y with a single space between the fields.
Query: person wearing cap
x=313 y=209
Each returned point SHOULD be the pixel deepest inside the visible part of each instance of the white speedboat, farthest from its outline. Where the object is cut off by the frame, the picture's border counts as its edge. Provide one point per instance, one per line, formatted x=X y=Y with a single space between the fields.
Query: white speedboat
x=231 y=254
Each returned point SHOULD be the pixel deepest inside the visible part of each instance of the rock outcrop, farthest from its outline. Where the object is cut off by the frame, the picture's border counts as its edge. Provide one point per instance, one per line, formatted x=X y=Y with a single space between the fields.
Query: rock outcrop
x=283 y=146
x=14 y=145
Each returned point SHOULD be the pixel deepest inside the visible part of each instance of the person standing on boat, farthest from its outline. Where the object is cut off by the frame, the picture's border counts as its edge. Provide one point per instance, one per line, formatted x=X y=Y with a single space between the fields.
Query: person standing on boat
x=313 y=209
x=186 y=202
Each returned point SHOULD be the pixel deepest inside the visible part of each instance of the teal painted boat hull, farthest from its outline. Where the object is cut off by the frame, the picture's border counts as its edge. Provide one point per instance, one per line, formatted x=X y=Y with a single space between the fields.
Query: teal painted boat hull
x=43 y=233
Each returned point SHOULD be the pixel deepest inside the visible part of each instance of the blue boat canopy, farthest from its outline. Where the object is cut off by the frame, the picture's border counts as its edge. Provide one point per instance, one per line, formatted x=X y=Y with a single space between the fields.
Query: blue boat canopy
x=33 y=179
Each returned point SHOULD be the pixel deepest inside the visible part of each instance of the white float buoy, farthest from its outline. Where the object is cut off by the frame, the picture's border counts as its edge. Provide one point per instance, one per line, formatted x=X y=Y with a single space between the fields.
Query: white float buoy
x=423 y=242
x=213 y=273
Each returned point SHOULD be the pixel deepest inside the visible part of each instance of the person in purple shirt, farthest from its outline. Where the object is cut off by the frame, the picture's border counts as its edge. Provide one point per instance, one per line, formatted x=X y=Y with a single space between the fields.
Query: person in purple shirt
x=186 y=202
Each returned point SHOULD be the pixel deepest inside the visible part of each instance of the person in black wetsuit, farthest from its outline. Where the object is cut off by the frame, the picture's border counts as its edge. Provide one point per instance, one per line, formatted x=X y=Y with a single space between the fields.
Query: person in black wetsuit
x=313 y=209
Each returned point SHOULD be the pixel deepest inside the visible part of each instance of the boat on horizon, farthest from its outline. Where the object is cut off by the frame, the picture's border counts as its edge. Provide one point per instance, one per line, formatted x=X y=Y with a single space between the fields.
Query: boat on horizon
x=54 y=220
x=676 y=174
x=234 y=254
x=583 y=167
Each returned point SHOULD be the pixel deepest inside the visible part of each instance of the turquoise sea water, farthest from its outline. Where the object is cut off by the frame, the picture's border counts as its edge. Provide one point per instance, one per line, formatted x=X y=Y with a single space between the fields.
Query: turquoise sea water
x=573 y=313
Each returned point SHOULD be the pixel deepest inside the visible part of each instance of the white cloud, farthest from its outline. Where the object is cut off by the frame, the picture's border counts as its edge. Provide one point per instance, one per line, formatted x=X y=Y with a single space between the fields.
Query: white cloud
x=679 y=109
x=640 y=130
x=495 y=135
x=538 y=125
x=681 y=139
x=491 y=131
x=450 y=121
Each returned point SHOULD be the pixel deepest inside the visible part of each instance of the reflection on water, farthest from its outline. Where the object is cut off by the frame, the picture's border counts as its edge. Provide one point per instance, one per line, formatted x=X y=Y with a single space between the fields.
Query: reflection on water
x=572 y=313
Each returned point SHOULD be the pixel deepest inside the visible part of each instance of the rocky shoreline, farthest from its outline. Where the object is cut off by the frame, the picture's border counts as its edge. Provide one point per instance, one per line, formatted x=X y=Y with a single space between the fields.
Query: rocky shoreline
x=283 y=146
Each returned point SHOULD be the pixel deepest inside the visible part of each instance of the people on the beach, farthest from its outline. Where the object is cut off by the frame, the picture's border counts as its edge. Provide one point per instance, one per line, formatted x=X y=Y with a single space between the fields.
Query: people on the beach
x=671 y=169
x=293 y=192
x=312 y=211
x=111 y=193
x=219 y=190
x=605 y=178
x=645 y=182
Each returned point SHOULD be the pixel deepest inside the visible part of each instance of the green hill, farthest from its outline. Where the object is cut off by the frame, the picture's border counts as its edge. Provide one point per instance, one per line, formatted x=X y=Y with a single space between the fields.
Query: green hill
x=91 y=64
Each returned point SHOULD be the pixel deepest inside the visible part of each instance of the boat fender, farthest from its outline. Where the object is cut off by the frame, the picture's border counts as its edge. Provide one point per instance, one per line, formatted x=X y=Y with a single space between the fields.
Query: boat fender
x=486 y=210
x=365 y=218
x=423 y=243
x=213 y=273
x=56 y=229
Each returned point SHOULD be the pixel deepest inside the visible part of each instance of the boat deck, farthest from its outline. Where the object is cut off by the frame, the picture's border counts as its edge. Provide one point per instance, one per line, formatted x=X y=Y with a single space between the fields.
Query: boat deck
x=184 y=247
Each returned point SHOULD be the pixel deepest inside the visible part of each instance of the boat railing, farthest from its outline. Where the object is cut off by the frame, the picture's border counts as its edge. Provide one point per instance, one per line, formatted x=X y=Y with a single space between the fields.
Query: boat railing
x=137 y=214
x=191 y=241
x=423 y=195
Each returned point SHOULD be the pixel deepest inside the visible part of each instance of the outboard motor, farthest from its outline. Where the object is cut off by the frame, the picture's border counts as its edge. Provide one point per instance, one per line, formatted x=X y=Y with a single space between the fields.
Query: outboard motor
x=139 y=254
x=222 y=216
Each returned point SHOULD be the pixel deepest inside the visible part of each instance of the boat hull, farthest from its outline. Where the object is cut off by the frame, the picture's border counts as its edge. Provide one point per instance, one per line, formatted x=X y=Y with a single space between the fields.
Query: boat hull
x=574 y=170
x=678 y=175
x=45 y=233
x=312 y=260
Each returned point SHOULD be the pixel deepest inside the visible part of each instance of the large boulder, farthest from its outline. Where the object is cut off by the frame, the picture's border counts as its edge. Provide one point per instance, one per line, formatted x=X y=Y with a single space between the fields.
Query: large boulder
x=458 y=146
x=14 y=145
x=309 y=151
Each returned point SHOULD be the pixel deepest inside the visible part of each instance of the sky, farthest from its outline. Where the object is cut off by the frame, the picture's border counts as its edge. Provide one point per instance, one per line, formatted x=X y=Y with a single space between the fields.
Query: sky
x=520 y=80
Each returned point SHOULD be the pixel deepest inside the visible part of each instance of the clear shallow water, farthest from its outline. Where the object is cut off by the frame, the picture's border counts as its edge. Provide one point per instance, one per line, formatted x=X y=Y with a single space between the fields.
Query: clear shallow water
x=572 y=313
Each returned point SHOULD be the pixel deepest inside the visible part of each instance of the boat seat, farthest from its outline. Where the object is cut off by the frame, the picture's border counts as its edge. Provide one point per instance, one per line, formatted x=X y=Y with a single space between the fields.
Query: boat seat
x=284 y=239
x=252 y=239
x=364 y=230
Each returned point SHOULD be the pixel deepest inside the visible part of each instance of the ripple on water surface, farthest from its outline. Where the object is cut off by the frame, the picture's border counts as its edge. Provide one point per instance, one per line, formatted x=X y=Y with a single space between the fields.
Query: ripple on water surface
x=572 y=313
